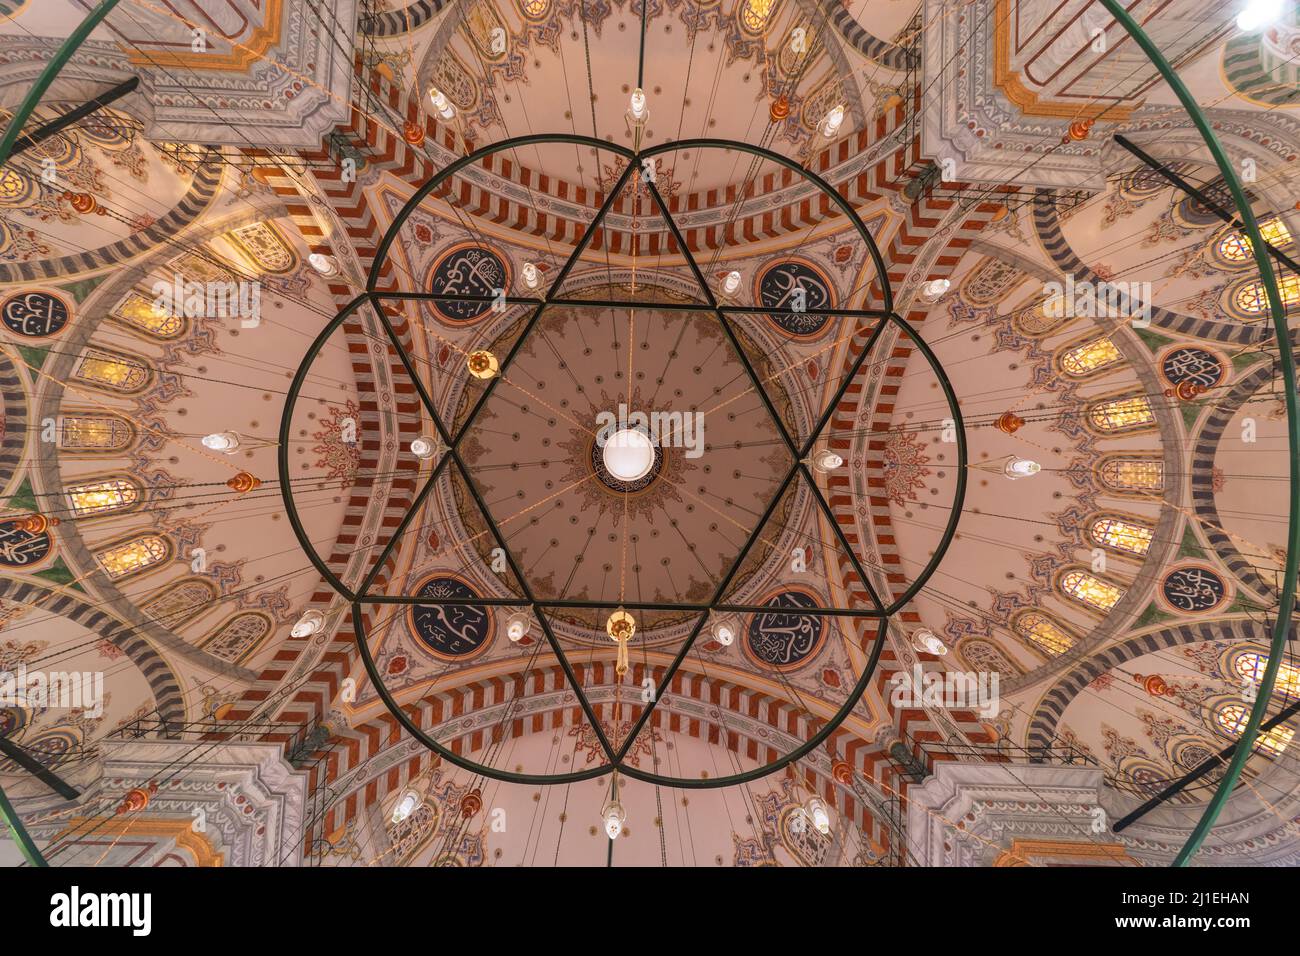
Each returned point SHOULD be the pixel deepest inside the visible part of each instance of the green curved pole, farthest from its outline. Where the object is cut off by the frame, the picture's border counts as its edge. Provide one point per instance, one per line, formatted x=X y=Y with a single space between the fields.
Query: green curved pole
x=1286 y=603
x=25 y=843
x=57 y=62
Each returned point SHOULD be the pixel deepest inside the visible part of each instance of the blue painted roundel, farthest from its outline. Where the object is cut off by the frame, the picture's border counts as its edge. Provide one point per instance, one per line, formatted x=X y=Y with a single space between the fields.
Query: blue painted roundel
x=468 y=270
x=451 y=631
x=791 y=287
x=784 y=638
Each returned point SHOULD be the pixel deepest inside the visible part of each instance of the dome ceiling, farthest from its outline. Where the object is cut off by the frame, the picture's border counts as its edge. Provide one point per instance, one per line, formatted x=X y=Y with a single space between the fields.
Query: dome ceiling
x=317 y=442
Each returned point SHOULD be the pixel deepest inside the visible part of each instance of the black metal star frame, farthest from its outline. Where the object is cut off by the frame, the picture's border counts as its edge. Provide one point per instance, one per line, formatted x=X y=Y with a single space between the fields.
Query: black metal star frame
x=617 y=757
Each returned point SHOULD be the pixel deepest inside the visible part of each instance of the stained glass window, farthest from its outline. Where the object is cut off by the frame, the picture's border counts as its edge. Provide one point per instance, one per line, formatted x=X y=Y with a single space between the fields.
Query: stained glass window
x=1090 y=356
x=1122 y=414
x=1250 y=666
x=102 y=497
x=239 y=636
x=990 y=282
x=984 y=656
x=1250 y=296
x=1044 y=632
x=100 y=433
x=139 y=312
x=534 y=9
x=754 y=14
x=131 y=557
x=112 y=371
x=180 y=602
x=1122 y=535
x=1232 y=718
x=1236 y=248
x=1090 y=590
x=1133 y=474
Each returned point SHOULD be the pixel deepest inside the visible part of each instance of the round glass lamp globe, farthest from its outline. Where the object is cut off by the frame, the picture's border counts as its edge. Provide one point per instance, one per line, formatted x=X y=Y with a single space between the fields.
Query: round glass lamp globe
x=629 y=454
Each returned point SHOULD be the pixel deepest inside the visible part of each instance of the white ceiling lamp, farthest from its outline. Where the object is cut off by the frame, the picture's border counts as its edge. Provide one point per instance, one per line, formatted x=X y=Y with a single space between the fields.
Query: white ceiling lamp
x=826 y=461
x=724 y=633
x=935 y=289
x=225 y=442
x=628 y=454
x=638 y=108
x=423 y=447
x=311 y=622
x=532 y=278
x=832 y=121
x=517 y=626
x=1258 y=14
x=406 y=806
x=731 y=283
x=325 y=265
x=1018 y=468
x=441 y=105
x=612 y=814
x=925 y=640
x=819 y=815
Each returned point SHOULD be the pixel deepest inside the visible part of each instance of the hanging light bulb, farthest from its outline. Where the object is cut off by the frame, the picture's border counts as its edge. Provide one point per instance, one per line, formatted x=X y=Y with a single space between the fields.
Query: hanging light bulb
x=819 y=815
x=731 y=283
x=925 y=640
x=406 y=806
x=226 y=442
x=517 y=626
x=1022 y=468
x=325 y=265
x=423 y=447
x=311 y=622
x=1258 y=14
x=723 y=633
x=934 y=290
x=612 y=814
x=826 y=461
x=638 y=110
x=531 y=276
x=441 y=105
x=833 y=120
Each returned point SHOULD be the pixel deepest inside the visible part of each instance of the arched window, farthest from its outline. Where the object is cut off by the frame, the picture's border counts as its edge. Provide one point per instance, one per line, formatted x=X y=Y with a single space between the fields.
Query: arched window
x=1249 y=297
x=112 y=371
x=103 y=496
x=1233 y=247
x=1132 y=475
x=990 y=282
x=534 y=9
x=140 y=314
x=95 y=433
x=1043 y=632
x=263 y=248
x=981 y=655
x=133 y=556
x=755 y=15
x=1123 y=414
x=1231 y=718
x=1090 y=590
x=1122 y=534
x=1088 y=357
x=1250 y=667
x=180 y=602
x=239 y=636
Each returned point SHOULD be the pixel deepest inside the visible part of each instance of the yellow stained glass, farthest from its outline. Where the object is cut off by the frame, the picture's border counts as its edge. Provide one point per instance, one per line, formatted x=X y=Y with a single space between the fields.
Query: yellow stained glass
x=1122 y=413
x=1044 y=632
x=13 y=187
x=1250 y=666
x=754 y=14
x=132 y=556
x=1252 y=298
x=1134 y=474
x=94 y=433
x=112 y=371
x=141 y=313
x=1232 y=718
x=1236 y=248
x=1122 y=535
x=535 y=9
x=101 y=496
x=1089 y=590
x=1090 y=356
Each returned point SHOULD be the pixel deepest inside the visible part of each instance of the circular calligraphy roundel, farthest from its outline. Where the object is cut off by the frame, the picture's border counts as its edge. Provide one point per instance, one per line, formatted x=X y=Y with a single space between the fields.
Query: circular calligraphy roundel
x=34 y=314
x=468 y=269
x=1191 y=366
x=20 y=549
x=784 y=639
x=1193 y=589
x=453 y=632
x=791 y=287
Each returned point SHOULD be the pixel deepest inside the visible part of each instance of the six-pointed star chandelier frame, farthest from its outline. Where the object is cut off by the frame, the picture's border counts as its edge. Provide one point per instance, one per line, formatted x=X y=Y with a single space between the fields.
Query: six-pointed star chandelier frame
x=617 y=758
